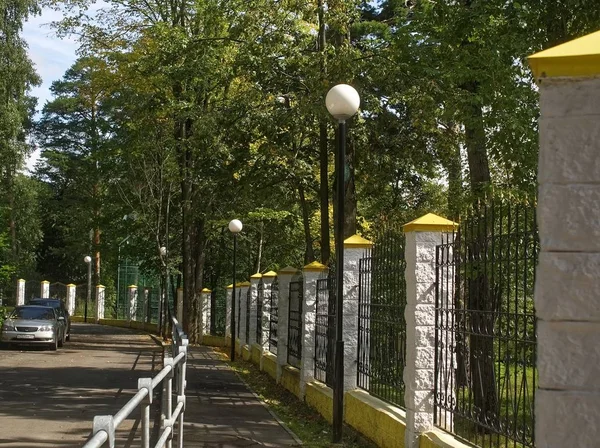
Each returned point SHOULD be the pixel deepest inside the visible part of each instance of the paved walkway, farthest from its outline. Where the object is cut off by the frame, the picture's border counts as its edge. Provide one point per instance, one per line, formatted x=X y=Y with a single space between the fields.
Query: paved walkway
x=222 y=412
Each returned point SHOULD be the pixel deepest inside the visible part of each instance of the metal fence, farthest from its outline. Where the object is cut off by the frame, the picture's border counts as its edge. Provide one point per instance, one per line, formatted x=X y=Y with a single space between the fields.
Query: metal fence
x=260 y=297
x=325 y=329
x=218 y=312
x=248 y=300
x=295 y=323
x=273 y=316
x=485 y=338
x=58 y=290
x=174 y=370
x=381 y=323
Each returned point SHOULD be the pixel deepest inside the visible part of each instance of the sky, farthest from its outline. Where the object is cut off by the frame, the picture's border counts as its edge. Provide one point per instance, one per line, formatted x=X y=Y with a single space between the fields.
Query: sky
x=52 y=56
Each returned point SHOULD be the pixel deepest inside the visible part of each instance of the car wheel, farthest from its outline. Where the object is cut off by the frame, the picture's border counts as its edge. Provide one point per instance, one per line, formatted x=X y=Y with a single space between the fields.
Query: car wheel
x=54 y=345
x=68 y=338
x=61 y=341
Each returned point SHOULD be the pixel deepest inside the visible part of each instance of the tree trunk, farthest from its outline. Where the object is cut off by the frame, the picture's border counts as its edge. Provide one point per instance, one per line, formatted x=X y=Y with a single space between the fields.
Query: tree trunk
x=309 y=255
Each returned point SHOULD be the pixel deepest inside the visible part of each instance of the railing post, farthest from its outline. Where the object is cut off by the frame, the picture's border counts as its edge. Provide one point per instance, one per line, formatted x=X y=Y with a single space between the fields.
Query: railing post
x=45 y=289
x=133 y=292
x=145 y=383
x=105 y=423
x=422 y=237
x=21 y=292
x=167 y=399
x=285 y=277
x=310 y=273
x=182 y=378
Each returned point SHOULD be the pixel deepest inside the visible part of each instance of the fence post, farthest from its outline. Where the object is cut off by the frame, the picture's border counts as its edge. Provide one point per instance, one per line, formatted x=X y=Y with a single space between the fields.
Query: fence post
x=268 y=278
x=20 y=292
x=254 y=281
x=145 y=383
x=422 y=237
x=71 y=298
x=179 y=305
x=228 y=332
x=567 y=289
x=99 y=302
x=354 y=249
x=45 y=289
x=285 y=277
x=242 y=302
x=205 y=307
x=310 y=274
x=133 y=292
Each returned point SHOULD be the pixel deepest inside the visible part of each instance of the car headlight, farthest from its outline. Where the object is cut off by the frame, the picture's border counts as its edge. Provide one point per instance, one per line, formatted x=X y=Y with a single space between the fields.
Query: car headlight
x=8 y=327
x=47 y=328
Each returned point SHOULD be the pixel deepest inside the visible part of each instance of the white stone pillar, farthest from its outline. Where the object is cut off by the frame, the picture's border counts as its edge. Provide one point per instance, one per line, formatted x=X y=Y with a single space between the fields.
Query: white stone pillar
x=21 y=292
x=180 y=305
x=99 y=302
x=205 y=303
x=254 y=282
x=45 y=289
x=132 y=295
x=285 y=277
x=71 y=288
x=310 y=274
x=268 y=278
x=422 y=237
x=228 y=312
x=146 y=306
x=243 y=300
x=355 y=248
x=567 y=289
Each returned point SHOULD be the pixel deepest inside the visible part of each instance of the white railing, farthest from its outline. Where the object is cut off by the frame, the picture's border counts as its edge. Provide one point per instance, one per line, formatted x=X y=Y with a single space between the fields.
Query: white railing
x=105 y=426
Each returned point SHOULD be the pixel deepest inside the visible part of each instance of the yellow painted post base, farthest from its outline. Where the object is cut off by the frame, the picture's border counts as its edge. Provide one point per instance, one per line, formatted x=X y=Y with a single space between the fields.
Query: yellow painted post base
x=246 y=353
x=269 y=364
x=256 y=353
x=320 y=397
x=290 y=379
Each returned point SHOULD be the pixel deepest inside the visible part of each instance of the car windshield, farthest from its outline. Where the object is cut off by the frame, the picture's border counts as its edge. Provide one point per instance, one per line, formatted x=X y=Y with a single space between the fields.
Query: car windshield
x=50 y=303
x=32 y=313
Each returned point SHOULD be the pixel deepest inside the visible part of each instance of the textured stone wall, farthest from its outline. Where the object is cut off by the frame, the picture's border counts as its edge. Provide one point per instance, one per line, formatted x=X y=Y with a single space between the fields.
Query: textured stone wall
x=285 y=277
x=132 y=290
x=254 y=281
x=567 y=292
x=99 y=302
x=307 y=327
x=228 y=313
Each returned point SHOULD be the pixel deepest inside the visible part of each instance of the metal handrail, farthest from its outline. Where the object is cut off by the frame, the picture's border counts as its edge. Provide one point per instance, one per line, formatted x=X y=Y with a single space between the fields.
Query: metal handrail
x=105 y=426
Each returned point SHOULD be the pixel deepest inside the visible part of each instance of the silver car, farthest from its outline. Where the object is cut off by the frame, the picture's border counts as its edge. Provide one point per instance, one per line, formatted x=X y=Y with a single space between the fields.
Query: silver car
x=34 y=325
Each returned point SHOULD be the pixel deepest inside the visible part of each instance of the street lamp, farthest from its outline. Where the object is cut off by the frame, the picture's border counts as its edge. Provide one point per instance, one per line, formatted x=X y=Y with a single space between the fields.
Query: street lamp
x=88 y=260
x=342 y=102
x=235 y=227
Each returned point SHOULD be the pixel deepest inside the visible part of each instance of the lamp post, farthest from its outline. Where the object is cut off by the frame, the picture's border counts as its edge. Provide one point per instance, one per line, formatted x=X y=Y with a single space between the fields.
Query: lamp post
x=342 y=102
x=88 y=260
x=235 y=227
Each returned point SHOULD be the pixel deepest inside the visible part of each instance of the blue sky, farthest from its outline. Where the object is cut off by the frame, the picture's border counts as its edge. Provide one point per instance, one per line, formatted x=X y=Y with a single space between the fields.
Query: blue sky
x=51 y=56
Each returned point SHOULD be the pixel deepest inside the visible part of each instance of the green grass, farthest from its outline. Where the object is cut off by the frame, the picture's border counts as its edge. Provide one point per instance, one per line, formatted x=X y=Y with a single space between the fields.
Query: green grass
x=305 y=422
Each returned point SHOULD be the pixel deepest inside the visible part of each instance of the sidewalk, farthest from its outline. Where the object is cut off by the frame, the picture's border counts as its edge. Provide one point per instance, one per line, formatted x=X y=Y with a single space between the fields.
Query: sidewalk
x=222 y=412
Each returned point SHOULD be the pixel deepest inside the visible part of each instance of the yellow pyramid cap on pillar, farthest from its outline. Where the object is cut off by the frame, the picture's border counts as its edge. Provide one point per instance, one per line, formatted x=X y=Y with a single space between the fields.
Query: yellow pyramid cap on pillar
x=71 y=284
x=357 y=242
x=578 y=57
x=45 y=281
x=206 y=290
x=288 y=270
x=133 y=286
x=315 y=266
x=244 y=284
x=270 y=274
x=100 y=286
x=257 y=275
x=430 y=223
x=22 y=280
x=230 y=286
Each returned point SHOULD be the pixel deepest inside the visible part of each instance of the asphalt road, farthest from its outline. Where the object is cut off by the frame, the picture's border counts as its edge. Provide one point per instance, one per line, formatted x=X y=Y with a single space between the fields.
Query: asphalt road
x=48 y=399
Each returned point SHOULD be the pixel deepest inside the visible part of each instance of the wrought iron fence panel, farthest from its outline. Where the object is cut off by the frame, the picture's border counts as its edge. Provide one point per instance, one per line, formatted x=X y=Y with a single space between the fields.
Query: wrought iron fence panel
x=58 y=290
x=33 y=290
x=80 y=298
x=485 y=338
x=295 y=323
x=325 y=329
x=381 y=323
x=248 y=296
x=218 y=314
x=260 y=297
x=273 y=316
